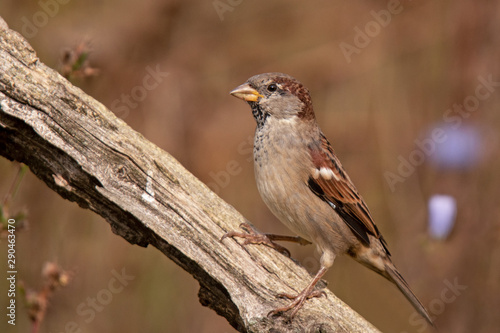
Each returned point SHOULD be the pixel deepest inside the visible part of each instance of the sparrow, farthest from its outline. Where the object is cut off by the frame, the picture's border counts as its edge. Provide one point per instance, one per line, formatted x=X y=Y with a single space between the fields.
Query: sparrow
x=303 y=183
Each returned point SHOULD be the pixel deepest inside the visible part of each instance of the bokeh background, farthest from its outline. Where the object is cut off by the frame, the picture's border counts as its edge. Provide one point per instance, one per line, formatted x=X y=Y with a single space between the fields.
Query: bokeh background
x=382 y=75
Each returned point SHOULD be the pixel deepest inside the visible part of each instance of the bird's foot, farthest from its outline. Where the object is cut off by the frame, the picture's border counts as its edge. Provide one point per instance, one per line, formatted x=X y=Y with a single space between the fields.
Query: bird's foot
x=254 y=237
x=302 y=297
x=298 y=301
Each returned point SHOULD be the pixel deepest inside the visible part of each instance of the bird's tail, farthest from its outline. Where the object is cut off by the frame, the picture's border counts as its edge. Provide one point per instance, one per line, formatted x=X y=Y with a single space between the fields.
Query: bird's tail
x=394 y=276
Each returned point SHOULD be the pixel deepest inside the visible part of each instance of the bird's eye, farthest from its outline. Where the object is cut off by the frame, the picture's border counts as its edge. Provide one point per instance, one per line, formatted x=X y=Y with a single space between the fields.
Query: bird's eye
x=272 y=87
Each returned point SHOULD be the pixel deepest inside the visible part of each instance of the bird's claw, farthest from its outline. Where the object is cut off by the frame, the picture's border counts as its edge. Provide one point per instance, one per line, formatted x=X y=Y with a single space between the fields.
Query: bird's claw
x=314 y=293
x=297 y=303
x=253 y=237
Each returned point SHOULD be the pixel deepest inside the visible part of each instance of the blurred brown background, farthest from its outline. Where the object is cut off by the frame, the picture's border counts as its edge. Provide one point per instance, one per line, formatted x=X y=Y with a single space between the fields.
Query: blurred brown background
x=381 y=74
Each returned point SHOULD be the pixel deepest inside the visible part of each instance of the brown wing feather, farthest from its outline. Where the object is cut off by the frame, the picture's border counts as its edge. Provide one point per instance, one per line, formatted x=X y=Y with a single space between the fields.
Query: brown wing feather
x=340 y=192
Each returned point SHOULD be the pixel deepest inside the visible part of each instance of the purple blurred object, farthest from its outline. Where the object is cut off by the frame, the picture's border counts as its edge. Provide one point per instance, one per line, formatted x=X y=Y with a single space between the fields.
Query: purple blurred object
x=442 y=214
x=461 y=148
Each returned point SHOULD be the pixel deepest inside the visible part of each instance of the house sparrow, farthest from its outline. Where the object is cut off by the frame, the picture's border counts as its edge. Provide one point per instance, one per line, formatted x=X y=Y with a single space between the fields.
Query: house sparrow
x=303 y=183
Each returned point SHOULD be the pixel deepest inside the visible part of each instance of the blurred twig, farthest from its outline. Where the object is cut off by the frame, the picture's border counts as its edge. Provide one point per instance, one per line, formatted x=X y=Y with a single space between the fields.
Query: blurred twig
x=75 y=62
x=37 y=302
x=5 y=215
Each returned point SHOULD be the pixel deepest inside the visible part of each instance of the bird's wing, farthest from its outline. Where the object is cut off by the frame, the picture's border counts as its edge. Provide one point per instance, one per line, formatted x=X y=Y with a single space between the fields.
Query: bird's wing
x=331 y=183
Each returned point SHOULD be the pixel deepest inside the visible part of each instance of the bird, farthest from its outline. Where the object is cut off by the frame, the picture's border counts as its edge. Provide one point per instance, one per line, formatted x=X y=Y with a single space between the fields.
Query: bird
x=303 y=183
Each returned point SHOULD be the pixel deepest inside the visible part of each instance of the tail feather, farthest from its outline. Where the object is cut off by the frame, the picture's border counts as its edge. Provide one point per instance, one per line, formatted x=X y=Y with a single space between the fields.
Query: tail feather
x=399 y=281
x=377 y=259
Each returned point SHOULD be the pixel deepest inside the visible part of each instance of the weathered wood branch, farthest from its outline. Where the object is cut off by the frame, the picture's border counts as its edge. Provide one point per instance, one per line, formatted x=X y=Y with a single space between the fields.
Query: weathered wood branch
x=87 y=155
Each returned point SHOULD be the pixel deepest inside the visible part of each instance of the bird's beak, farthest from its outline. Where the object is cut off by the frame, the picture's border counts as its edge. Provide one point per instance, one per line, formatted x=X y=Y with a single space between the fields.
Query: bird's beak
x=246 y=93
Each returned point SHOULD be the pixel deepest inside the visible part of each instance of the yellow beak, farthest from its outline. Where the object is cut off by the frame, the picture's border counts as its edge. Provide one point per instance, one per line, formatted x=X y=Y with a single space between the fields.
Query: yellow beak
x=246 y=93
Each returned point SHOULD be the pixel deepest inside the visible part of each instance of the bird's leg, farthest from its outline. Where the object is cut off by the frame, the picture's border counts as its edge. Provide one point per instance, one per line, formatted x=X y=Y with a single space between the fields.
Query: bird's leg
x=299 y=300
x=254 y=237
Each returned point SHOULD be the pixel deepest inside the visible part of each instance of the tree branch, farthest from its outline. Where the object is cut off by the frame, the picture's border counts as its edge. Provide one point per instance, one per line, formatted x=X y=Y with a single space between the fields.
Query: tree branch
x=87 y=155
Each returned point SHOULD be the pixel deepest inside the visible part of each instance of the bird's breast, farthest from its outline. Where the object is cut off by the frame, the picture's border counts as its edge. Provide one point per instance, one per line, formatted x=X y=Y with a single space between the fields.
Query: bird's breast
x=282 y=167
x=281 y=154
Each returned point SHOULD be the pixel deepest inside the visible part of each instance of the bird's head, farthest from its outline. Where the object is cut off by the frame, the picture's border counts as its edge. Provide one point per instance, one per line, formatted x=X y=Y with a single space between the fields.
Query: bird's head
x=275 y=95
